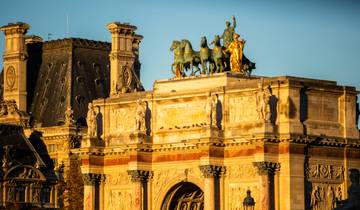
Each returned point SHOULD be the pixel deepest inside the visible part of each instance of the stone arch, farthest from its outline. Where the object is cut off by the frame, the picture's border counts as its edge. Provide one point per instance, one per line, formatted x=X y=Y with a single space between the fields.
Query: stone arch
x=184 y=196
x=175 y=180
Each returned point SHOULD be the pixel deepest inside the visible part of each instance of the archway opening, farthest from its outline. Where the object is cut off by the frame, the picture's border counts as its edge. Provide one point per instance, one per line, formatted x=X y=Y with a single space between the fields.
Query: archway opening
x=184 y=196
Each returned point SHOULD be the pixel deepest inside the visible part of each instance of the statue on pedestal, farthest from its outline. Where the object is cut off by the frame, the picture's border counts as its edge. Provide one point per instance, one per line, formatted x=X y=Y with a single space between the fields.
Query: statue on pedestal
x=69 y=115
x=211 y=109
x=91 y=121
x=140 y=117
x=263 y=102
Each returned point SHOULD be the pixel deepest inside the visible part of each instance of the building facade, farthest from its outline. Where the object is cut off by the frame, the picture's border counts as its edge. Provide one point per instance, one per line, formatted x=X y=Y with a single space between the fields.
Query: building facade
x=190 y=143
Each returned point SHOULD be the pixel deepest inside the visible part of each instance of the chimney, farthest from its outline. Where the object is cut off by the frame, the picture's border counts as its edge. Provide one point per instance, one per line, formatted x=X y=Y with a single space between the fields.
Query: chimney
x=14 y=61
x=123 y=56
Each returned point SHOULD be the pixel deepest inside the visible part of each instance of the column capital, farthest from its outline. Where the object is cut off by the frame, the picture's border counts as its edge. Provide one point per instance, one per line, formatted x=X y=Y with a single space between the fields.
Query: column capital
x=266 y=168
x=140 y=175
x=212 y=171
x=91 y=178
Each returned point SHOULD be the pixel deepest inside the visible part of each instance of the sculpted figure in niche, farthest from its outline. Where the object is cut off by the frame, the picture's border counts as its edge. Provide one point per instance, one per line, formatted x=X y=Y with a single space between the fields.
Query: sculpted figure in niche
x=211 y=109
x=90 y=120
x=262 y=102
x=353 y=202
x=140 y=116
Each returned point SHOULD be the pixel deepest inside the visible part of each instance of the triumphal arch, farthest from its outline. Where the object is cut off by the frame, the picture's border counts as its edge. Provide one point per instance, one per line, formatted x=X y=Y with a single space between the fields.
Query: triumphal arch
x=210 y=138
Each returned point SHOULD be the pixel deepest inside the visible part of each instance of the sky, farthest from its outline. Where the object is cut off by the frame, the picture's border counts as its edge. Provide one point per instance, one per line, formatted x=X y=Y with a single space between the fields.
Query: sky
x=307 y=38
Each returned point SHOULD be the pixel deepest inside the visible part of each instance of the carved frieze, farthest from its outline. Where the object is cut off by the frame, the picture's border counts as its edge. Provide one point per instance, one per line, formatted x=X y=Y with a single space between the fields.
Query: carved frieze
x=244 y=171
x=119 y=179
x=324 y=172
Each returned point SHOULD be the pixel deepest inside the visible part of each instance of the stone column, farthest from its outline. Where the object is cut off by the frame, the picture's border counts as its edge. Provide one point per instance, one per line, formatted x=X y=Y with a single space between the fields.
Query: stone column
x=266 y=172
x=212 y=174
x=140 y=179
x=91 y=197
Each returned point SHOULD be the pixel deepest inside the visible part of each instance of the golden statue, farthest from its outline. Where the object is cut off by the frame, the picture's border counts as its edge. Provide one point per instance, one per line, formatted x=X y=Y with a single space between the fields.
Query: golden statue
x=236 y=53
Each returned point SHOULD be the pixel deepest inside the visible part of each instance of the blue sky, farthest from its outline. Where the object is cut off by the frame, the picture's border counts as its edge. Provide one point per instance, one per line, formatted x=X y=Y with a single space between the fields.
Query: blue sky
x=317 y=39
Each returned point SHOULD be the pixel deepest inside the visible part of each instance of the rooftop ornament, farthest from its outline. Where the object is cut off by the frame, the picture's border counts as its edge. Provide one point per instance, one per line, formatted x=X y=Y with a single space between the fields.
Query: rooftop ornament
x=225 y=56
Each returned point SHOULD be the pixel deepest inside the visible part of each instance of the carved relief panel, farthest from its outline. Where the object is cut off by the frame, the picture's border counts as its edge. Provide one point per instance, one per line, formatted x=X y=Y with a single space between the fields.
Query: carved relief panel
x=242 y=109
x=11 y=78
x=325 y=185
x=121 y=120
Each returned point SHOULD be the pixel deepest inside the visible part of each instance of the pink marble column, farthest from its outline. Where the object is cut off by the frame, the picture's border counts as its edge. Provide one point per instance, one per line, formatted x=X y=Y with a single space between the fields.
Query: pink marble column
x=266 y=171
x=140 y=179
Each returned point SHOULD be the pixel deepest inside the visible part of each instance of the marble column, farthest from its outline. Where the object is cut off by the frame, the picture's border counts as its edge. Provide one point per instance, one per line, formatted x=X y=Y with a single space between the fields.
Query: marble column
x=91 y=200
x=266 y=171
x=102 y=192
x=212 y=176
x=140 y=180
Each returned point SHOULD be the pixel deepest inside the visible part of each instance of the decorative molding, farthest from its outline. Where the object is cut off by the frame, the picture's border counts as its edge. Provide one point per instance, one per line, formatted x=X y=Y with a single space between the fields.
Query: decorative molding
x=212 y=171
x=266 y=168
x=140 y=175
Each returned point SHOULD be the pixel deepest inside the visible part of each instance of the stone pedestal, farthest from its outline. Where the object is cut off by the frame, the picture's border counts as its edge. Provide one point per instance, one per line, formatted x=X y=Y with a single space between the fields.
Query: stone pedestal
x=138 y=137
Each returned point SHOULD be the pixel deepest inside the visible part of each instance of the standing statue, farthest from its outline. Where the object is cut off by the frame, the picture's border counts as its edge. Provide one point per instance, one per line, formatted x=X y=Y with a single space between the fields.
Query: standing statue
x=91 y=121
x=211 y=109
x=236 y=49
x=69 y=115
x=353 y=202
x=263 y=101
x=140 y=117
x=227 y=35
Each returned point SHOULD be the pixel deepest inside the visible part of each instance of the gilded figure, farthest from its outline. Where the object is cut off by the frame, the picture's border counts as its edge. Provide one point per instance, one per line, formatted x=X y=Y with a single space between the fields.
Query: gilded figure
x=236 y=49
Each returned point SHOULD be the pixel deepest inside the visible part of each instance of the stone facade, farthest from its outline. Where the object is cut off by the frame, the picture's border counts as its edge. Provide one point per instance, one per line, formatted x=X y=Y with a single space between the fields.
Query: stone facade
x=198 y=142
x=302 y=149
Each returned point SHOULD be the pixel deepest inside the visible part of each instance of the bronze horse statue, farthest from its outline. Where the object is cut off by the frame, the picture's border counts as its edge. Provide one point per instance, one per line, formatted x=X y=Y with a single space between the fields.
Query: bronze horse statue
x=191 y=57
x=218 y=56
x=205 y=55
x=177 y=66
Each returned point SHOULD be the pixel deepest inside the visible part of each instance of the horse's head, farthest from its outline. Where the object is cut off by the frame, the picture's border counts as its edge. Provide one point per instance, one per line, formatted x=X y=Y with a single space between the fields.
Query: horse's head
x=203 y=42
x=216 y=41
x=186 y=44
x=175 y=44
